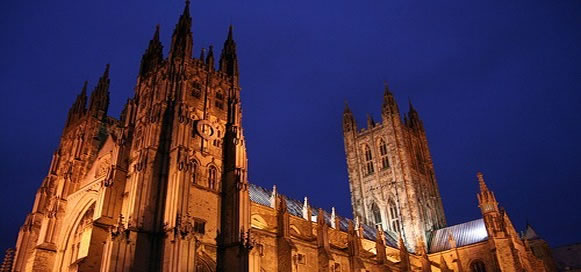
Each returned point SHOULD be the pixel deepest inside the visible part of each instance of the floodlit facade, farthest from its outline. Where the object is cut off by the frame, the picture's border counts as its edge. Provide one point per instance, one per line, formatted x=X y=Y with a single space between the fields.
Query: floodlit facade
x=165 y=188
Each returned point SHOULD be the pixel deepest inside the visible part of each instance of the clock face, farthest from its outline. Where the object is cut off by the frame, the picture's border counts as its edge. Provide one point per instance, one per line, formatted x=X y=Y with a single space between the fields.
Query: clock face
x=205 y=130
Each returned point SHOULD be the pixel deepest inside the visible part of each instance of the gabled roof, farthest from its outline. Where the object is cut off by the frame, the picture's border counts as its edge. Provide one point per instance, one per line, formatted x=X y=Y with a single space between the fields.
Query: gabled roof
x=262 y=196
x=464 y=234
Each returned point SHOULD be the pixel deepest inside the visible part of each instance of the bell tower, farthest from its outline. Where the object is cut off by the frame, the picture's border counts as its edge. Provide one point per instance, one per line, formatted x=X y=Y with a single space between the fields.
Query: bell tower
x=391 y=174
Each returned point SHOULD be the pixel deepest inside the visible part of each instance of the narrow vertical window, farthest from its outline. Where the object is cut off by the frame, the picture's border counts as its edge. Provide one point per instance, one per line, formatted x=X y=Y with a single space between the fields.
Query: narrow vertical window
x=383 y=154
x=368 y=160
x=212 y=177
x=393 y=217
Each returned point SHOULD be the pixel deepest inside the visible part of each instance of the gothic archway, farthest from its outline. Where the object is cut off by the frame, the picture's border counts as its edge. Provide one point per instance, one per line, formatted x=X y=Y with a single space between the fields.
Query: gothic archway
x=205 y=263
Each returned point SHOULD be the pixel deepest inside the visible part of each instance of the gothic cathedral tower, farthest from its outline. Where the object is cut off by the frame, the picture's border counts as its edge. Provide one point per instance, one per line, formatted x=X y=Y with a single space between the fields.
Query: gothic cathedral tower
x=391 y=175
x=163 y=188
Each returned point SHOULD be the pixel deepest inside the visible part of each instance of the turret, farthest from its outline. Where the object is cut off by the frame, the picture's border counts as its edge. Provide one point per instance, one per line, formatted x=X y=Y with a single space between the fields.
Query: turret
x=99 y=101
x=228 y=58
x=153 y=55
x=79 y=107
x=182 y=40
x=348 y=120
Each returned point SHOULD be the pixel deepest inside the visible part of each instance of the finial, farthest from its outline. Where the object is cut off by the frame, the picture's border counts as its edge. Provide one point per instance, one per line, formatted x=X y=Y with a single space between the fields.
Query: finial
x=84 y=90
x=106 y=73
x=230 y=35
x=386 y=88
x=156 y=33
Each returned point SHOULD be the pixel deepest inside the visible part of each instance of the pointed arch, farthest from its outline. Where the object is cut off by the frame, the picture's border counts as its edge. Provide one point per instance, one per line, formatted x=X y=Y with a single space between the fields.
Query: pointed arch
x=205 y=263
x=82 y=210
x=477 y=266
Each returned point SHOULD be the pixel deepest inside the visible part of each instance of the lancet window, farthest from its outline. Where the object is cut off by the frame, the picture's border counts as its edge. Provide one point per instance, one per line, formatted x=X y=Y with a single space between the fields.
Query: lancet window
x=368 y=160
x=383 y=154
x=394 y=221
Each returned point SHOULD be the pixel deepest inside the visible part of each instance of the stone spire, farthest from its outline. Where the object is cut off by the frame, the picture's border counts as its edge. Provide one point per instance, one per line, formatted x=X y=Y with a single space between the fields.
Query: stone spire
x=79 y=107
x=349 y=123
x=210 y=58
x=413 y=118
x=182 y=40
x=153 y=55
x=99 y=101
x=389 y=104
x=228 y=58
x=370 y=121
x=486 y=199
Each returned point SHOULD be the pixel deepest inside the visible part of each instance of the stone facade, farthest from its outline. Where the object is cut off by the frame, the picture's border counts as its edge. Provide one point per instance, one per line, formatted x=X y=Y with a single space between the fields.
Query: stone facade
x=164 y=188
x=391 y=174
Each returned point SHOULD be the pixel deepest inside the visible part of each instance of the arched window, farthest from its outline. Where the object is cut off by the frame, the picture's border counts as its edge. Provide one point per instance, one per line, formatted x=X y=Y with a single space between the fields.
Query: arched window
x=383 y=154
x=212 y=177
x=368 y=159
x=477 y=266
x=194 y=172
x=376 y=215
x=394 y=223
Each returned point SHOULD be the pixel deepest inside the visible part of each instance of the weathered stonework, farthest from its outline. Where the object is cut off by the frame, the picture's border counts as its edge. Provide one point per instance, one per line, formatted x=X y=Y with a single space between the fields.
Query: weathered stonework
x=391 y=174
x=164 y=188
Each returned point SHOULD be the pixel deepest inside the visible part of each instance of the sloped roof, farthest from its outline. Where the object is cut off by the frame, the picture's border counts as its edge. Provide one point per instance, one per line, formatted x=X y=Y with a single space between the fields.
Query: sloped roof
x=260 y=195
x=530 y=233
x=464 y=234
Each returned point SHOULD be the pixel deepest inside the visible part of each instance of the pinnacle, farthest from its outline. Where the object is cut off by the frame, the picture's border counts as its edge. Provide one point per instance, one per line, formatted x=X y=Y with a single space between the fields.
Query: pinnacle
x=106 y=73
x=230 y=35
x=481 y=182
x=84 y=90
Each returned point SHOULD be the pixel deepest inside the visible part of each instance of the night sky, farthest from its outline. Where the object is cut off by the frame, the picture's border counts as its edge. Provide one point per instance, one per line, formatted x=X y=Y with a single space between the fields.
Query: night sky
x=497 y=84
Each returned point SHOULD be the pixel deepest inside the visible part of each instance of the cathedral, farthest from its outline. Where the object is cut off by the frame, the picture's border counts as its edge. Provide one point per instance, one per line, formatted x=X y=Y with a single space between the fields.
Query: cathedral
x=164 y=187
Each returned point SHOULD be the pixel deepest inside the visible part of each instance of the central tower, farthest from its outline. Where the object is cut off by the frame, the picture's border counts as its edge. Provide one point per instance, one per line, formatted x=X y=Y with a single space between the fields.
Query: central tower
x=391 y=174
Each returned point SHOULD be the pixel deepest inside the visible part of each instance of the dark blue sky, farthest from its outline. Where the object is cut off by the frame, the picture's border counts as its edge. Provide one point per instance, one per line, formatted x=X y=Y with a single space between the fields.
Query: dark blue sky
x=497 y=84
